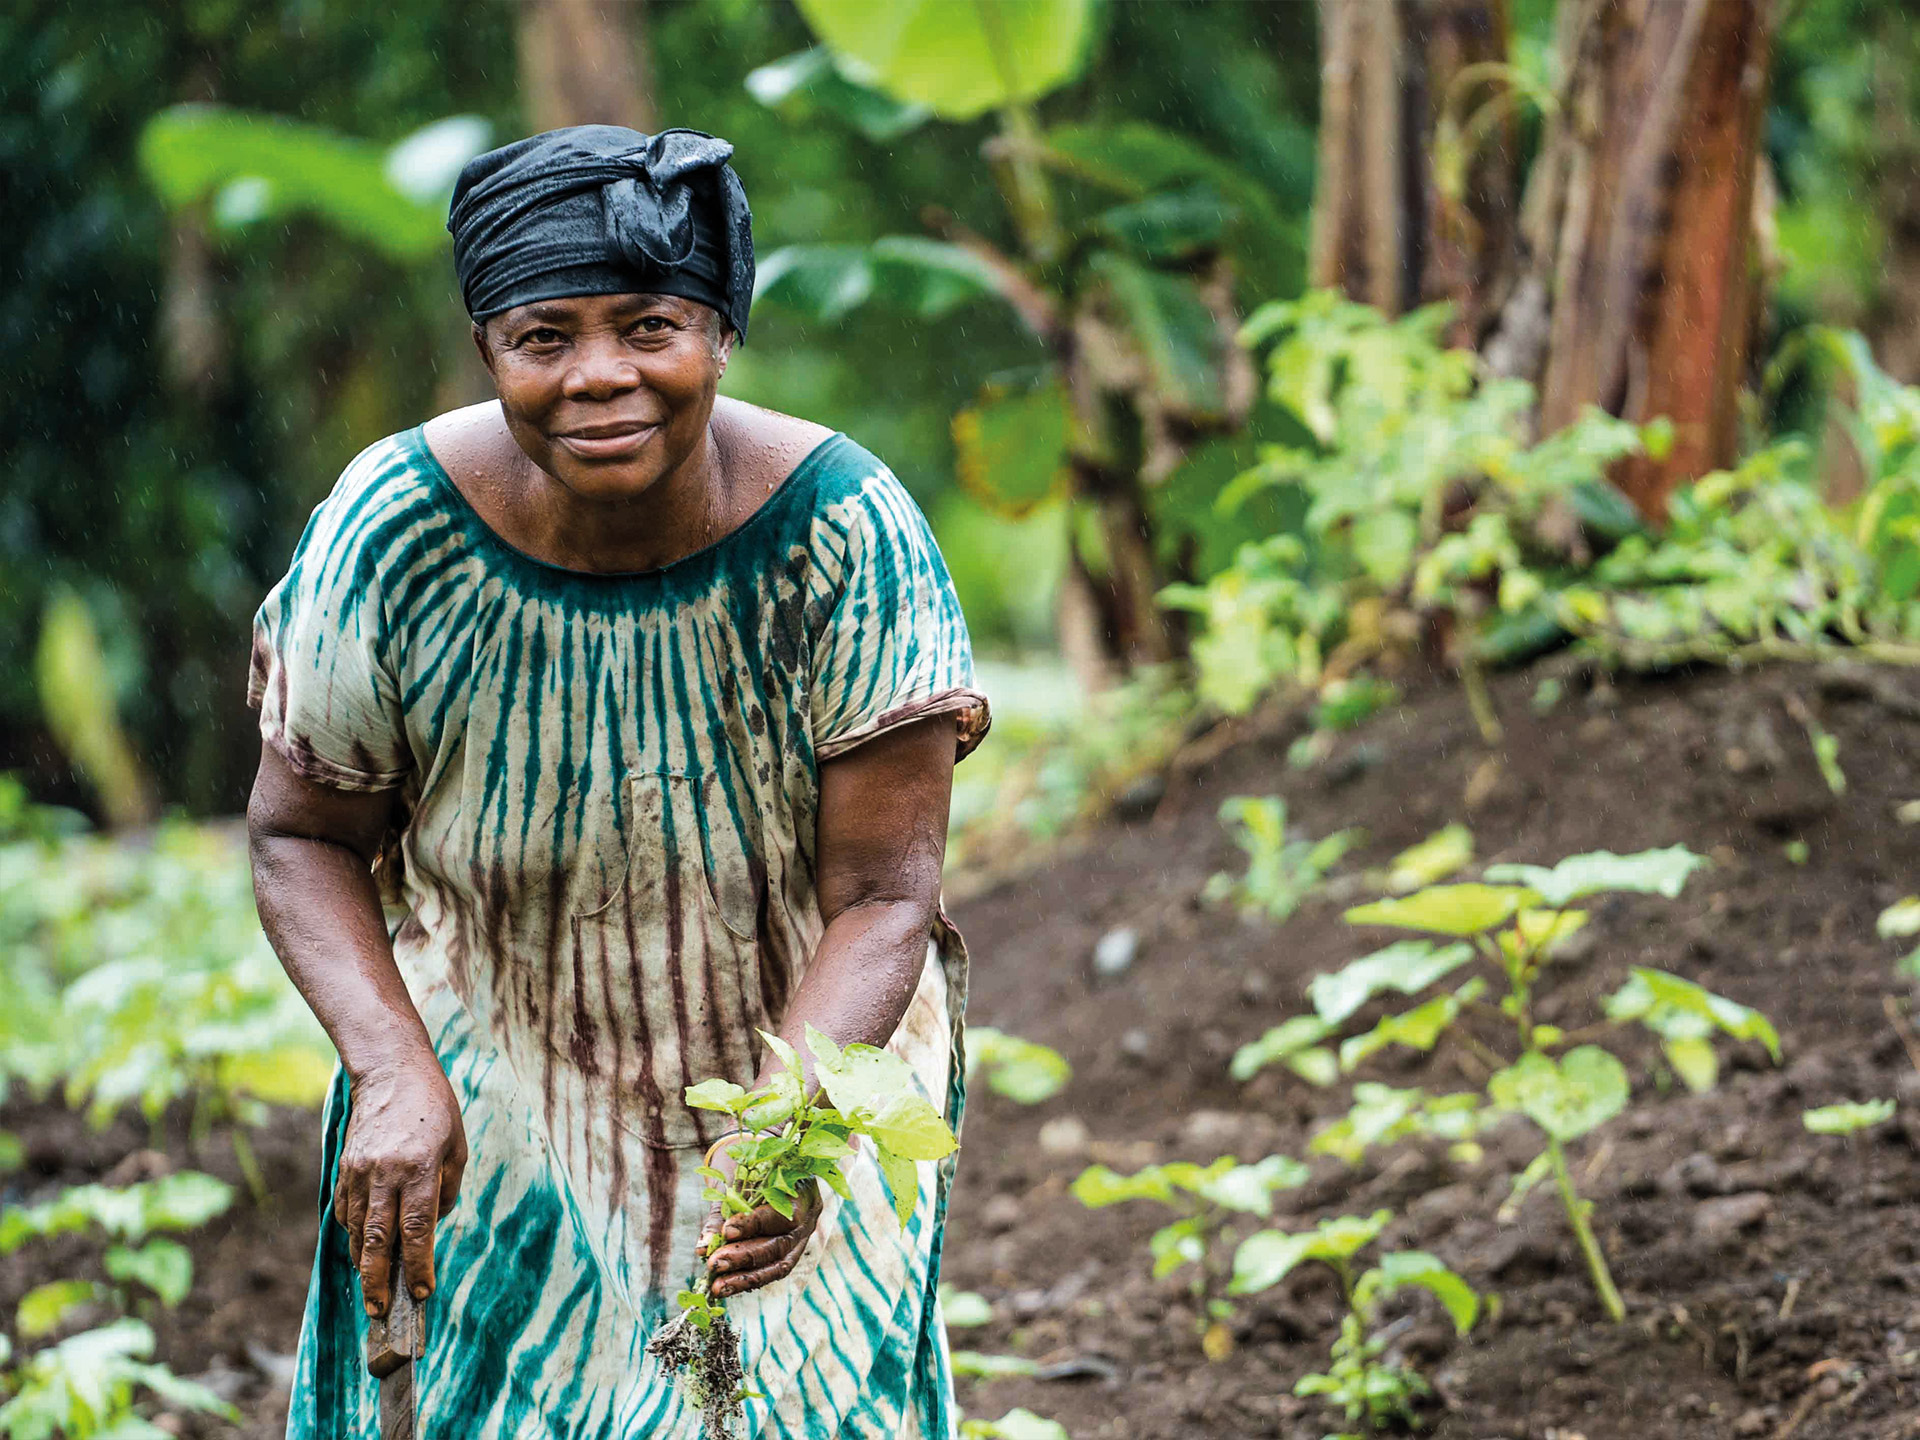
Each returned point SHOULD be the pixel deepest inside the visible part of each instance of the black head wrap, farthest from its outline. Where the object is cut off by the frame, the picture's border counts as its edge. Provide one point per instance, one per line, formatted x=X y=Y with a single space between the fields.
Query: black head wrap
x=603 y=210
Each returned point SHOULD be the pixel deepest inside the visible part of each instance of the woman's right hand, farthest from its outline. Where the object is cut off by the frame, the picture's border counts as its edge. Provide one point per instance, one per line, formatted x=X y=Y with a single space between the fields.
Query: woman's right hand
x=400 y=1170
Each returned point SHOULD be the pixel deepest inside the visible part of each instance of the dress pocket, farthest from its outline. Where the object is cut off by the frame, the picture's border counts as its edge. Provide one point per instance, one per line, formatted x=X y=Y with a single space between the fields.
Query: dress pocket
x=667 y=963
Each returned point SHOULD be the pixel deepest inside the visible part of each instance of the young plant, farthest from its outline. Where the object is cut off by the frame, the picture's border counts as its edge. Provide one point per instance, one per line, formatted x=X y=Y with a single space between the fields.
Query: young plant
x=1282 y=870
x=789 y=1142
x=1845 y=1119
x=1360 y=1381
x=1208 y=1197
x=1024 y=1071
x=1564 y=1083
x=88 y=1384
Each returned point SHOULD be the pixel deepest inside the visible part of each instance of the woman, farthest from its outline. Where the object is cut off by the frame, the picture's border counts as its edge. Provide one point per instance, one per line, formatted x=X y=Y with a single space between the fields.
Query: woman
x=661 y=696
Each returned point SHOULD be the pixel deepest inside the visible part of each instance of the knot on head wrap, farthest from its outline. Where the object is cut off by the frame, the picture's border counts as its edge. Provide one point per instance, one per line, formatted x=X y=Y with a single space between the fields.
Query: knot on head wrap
x=603 y=210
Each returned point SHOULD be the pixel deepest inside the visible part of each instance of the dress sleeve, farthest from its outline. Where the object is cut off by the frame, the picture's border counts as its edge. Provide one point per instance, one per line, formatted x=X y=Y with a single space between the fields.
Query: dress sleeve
x=894 y=647
x=321 y=679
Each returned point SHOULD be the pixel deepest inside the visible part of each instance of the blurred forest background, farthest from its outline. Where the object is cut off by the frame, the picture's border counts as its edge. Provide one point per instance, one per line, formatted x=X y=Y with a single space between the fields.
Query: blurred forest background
x=198 y=340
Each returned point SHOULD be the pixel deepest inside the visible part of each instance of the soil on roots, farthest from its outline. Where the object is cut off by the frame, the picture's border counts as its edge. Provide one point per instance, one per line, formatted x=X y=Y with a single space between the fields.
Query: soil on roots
x=1772 y=1276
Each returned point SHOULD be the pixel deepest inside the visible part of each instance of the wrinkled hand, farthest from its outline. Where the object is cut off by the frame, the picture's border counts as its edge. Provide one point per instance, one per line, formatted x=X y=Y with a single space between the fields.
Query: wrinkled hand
x=400 y=1170
x=745 y=1252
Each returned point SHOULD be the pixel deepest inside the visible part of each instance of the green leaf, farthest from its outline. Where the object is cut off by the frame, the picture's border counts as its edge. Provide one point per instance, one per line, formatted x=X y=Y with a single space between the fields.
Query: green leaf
x=1016 y=1424
x=972 y=1365
x=817 y=1042
x=1177 y=335
x=903 y=1179
x=909 y=1126
x=163 y=1266
x=256 y=167
x=1900 y=920
x=1650 y=872
x=1567 y=1098
x=1266 y=1257
x=1384 y=542
x=964 y=1309
x=1097 y=1186
x=958 y=60
x=1010 y=448
x=716 y=1094
x=45 y=1308
x=1846 y=1118
x=1419 y=1028
x=1406 y=966
x=1435 y=858
x=1694 y=1061
x=1247 y=1189
x=1447 y=909
x=1424 y=1271
x=1184 y=1242
x=1655 y=998
x=1286 y=1041
x=1022 y=1070
x=809 y=79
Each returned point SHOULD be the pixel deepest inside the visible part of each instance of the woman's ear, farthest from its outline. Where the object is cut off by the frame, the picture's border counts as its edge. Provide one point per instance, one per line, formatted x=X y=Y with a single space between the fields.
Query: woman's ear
x=723 y=352
x=480 y=344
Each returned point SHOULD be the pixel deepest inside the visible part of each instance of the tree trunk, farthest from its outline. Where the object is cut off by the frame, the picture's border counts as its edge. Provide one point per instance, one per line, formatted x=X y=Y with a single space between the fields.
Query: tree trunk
x=1639 y=229
x=1415 y=197
x=585 y=62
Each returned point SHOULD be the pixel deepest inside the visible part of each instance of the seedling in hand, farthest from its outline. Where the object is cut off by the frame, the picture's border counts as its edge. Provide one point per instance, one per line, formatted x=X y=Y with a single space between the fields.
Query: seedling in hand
x=790 y=1141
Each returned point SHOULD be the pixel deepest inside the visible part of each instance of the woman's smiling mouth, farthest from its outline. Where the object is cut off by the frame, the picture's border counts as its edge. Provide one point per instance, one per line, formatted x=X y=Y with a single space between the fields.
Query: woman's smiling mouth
x=616 y=440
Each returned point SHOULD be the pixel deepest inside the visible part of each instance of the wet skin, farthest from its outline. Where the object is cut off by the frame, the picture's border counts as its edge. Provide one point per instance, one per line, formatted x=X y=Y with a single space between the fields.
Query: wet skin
x=606 y=452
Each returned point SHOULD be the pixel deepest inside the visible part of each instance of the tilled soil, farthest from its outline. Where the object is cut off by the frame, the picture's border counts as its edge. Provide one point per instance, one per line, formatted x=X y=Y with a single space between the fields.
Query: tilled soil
x=1772 y=1276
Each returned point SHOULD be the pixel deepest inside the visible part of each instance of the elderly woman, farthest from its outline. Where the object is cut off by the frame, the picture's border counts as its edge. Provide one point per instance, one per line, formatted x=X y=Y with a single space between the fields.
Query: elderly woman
x=646 y=703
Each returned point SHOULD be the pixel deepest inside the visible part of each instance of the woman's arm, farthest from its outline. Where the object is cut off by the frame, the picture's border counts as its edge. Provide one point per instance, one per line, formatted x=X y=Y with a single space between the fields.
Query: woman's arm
x=880 y=839
x=313 y=849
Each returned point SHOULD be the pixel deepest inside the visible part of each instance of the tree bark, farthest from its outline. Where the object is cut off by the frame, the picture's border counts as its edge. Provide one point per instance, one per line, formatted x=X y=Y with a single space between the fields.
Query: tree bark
x=1415 y=191
x=585 y=62
x=1639 y=229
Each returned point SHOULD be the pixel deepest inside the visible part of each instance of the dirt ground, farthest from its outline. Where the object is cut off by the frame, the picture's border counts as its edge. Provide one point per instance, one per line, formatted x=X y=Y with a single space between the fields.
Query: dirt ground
x=1772 y=1276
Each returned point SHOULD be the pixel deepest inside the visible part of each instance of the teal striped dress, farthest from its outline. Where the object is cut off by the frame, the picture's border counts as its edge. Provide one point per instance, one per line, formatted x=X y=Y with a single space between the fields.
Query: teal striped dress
x=608 y=873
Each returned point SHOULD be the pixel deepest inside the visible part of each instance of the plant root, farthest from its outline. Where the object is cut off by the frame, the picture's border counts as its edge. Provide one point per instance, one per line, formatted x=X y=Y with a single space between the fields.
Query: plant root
x=709 y=1359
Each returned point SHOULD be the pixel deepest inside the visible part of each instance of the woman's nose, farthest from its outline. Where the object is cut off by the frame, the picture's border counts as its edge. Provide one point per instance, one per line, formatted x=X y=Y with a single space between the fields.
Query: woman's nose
x=600 y=371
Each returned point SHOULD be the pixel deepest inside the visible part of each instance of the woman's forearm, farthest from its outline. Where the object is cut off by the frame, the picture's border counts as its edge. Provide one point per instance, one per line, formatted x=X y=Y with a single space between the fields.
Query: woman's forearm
x=862 y=978
x=321 y=910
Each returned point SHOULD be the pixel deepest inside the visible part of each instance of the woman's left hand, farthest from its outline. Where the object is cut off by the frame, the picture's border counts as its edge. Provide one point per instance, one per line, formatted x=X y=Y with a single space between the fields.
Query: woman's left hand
x=744 y=1252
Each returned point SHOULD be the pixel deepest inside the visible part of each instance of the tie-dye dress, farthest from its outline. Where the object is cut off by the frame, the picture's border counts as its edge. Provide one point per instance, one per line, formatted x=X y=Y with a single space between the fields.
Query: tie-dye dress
x=608 y=873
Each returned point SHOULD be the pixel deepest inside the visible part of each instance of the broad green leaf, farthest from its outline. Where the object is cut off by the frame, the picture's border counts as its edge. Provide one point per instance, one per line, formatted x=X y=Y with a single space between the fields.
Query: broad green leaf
x=1460 y=910
x=163 y=1266
x=1441 y=854
x=1847 y=1118
x=1184 y=1242
x=1651 y=995
x=964 y=1309
x=1379 y=1114
x=1097 y=1186
x=909 y=1126
x=810 y=79
x=256 y=167
x=959 y=60
x=1418 y=1268
x=1536 y=932
x=1010 y=448
x=45 y=1308
x=1406 y=966
x=859 y=1079
x=717 y=1094
x=1384 y=542
x=1650 y=872
x=909 y=273
x=823 y=282
x=1284 y=1041
x=1316 y=1065
x=825 y=1052
x=1419 y=1028
x=1175 y=332
x=1567 y=1098
x=903 y=1179
x=1247 y=1189
x=1019 y=1424
x=1694 y=1061
x=1900 y=920
x=972 y=1365
x=1022 y=1070
x=1266 y=1257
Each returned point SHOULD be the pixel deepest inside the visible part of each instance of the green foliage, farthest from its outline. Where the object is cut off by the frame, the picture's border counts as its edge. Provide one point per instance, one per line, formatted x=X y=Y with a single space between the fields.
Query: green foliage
x=1016 y=1424
x=86 y=1388
x=1022 y=1070
x=1207 y=1197
x=957 y=60
x=1512 y=930
x=1434 y=859
x=1845 y=1119
x=1282 y=870
x=251 y=168
x=175 y=1202
x=1359 y=1381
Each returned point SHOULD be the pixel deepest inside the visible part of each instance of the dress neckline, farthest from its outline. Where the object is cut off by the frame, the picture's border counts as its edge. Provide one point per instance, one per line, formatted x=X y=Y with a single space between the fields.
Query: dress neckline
x=430 y=462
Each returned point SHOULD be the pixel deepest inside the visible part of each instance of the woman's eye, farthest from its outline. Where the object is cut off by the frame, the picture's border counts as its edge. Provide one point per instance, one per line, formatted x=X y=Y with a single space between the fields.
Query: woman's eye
x=545 y=335
x=652 y=324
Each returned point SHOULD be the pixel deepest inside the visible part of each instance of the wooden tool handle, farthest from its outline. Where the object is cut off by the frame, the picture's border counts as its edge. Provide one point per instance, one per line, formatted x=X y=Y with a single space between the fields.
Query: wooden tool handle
x=401 y=1337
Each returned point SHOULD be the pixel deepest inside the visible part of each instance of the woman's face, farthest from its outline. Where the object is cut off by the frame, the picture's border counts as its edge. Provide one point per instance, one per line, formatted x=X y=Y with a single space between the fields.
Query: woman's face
x=607 y=393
